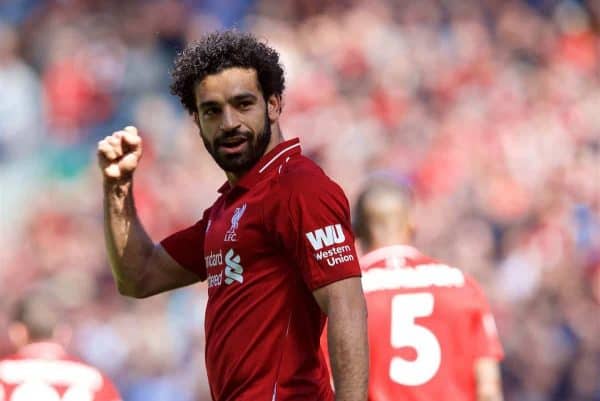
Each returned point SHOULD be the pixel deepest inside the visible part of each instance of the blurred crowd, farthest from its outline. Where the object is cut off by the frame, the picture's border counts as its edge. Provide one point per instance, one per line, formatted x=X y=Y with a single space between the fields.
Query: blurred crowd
x=489 y=108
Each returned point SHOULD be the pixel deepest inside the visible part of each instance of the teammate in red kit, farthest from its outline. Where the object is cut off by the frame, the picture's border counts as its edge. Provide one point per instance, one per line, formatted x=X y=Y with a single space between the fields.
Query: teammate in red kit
x=276 y=247
x=431 y=332
x=41 y=370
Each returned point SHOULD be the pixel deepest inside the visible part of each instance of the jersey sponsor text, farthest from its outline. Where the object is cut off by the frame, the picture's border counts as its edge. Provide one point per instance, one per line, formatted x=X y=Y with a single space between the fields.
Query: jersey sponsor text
x=214 y=259
x=326 y=236
x=215 y=280
x=335 y=256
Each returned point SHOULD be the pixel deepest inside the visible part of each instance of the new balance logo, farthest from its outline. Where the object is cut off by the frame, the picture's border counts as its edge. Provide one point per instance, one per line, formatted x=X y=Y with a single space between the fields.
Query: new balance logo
x=326 y=236
x=233 y=269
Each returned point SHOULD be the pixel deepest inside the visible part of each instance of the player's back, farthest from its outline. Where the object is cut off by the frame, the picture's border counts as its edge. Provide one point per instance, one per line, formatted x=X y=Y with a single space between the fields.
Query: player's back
x=43 y=372
x=428 y=322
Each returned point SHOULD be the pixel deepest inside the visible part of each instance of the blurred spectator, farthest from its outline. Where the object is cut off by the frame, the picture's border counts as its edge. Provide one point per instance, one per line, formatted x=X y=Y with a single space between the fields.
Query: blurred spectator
x=21 y=125
x=41 y=369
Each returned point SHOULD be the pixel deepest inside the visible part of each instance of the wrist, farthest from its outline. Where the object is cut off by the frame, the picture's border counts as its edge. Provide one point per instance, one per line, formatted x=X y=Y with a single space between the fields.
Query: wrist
x=119 y=188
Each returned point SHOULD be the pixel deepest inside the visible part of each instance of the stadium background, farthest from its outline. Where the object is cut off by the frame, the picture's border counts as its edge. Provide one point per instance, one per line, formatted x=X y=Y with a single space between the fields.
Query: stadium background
x=491 y=109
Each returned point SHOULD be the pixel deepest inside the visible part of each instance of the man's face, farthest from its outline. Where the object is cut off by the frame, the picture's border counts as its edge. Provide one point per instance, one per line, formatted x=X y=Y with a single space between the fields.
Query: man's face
x=389 y=219
x=233 y=119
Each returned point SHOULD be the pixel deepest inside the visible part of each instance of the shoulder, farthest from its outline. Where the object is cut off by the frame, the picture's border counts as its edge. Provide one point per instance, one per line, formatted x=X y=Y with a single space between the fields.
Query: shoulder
x=302 y=176
x=475 y=288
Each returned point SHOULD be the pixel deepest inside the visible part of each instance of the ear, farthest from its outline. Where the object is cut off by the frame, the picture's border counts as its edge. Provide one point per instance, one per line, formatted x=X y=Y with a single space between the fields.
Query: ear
x=274 y=106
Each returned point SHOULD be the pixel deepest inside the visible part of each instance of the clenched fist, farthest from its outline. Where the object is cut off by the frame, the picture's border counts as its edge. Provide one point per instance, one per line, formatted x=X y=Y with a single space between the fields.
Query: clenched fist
x=120 y=153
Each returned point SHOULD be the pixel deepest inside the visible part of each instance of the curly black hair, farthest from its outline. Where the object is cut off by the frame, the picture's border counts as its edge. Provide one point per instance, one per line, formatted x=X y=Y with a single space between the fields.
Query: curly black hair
x=221 y=50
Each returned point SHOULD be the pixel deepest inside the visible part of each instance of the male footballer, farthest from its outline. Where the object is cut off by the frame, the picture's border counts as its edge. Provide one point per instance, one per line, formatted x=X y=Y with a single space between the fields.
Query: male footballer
x=41 y=369
x=432 y=336
x=276 y=248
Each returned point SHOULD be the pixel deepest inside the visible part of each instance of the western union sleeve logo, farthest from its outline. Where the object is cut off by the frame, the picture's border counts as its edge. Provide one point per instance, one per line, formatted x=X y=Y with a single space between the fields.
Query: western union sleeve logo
x=326 y=236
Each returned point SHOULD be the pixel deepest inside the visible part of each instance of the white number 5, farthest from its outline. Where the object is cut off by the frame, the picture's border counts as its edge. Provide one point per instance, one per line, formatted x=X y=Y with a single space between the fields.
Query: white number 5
x=406 y=333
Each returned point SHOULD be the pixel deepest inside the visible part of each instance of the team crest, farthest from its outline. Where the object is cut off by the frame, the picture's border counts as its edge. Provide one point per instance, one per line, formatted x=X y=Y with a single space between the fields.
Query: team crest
x=231 y=234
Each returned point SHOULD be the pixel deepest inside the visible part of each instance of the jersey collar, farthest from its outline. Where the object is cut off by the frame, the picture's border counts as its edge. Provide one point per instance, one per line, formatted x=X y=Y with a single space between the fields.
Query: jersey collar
x=267 y=164
x=43 y=349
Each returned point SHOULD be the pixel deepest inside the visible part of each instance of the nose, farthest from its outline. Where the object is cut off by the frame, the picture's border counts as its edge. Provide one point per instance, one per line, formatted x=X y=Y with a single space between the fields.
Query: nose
x=230 y=120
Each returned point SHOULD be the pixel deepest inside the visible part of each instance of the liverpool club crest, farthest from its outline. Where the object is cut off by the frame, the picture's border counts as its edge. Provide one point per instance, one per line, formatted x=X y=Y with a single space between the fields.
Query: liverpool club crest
x=231 y=234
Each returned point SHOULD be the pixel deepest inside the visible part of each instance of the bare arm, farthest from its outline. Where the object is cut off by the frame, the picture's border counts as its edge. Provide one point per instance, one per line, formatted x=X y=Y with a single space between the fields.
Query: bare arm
x=140 y=267
x=487 y=375
x=344 y=304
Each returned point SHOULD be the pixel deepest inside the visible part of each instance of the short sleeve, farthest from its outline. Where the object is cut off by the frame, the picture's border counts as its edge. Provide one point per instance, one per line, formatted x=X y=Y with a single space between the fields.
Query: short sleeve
x=187 y=246
x=312 y=223
x=484 y=332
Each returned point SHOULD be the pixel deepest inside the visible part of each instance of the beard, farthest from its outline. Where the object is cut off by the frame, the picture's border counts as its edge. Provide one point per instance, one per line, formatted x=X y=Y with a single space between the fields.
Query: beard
x=243 y=161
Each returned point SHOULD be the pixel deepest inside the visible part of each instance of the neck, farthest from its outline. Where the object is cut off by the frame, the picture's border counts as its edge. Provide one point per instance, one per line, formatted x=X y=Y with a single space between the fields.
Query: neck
x=276 y=139
x=402 y=239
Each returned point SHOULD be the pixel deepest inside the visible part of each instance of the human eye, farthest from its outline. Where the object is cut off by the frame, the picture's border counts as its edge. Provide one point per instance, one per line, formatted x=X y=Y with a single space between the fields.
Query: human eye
x=210 y=111
x=245 y=104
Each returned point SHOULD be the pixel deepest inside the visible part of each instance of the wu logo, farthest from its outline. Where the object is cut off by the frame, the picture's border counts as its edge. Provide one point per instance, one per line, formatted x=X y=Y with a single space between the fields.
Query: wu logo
x=233 y=269
x=326 y=236
x=231 y=235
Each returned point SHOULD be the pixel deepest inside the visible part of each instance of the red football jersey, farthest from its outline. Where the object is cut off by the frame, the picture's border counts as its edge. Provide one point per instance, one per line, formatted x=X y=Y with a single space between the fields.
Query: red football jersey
x=428 y=323
x=44 y=372
x=280 y=233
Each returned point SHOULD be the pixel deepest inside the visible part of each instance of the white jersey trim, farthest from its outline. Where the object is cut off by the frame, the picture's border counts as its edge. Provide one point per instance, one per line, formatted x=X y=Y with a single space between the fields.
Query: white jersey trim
x=263 y=168
x=393 y=250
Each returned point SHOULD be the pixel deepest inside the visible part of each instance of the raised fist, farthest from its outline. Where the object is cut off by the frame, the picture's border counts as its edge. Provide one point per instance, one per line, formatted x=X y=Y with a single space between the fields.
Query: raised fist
x=120 y=153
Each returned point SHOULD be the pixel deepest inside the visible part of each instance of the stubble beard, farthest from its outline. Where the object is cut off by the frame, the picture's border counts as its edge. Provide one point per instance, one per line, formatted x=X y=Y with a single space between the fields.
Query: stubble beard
x=241 y=162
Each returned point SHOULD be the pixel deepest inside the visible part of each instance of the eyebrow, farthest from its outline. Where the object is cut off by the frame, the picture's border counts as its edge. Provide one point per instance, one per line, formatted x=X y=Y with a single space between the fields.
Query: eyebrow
x=244 y=96
x=207 y=104
x=237 y=98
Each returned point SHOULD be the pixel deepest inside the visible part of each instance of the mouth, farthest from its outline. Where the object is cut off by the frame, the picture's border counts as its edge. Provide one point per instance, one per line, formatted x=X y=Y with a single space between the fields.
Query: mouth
x=233 y=145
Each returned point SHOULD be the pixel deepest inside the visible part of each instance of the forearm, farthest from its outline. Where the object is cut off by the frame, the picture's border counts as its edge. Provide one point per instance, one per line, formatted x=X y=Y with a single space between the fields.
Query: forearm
x=348 y=353
x=129 y=246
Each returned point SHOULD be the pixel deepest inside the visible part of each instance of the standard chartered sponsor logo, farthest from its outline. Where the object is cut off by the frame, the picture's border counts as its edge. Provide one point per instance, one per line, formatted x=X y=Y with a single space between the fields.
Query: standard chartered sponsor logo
x=214 y=259
x=215 y=280
x=233 y=269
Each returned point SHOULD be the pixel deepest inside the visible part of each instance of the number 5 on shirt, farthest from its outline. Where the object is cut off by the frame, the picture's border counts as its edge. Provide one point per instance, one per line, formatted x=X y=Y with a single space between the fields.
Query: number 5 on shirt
x=406 y=333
